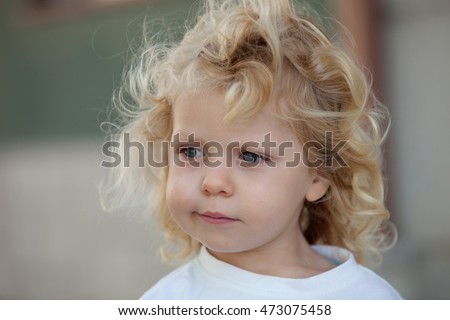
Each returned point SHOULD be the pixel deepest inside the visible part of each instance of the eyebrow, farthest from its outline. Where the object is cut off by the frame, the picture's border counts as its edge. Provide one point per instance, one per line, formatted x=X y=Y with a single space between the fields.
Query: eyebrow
x=184 y=137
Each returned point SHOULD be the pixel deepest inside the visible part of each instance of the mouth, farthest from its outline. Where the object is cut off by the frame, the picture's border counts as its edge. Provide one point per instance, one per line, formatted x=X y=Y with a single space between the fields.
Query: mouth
x=216 y=218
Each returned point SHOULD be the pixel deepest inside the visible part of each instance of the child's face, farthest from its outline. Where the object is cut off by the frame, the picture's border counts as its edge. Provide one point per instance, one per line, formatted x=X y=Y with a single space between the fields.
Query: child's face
x=244 y=203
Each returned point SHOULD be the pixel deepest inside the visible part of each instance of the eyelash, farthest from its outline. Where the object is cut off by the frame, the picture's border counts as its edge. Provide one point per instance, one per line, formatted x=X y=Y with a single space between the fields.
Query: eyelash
x=260 y=158
x=184 y=150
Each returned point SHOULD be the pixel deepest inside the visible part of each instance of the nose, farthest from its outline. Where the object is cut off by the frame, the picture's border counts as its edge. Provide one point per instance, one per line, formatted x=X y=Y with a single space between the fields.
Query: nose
x=217 y=181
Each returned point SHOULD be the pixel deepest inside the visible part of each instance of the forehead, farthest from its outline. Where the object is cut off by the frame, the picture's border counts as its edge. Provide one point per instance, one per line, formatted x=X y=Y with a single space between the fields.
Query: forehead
x=203 y=114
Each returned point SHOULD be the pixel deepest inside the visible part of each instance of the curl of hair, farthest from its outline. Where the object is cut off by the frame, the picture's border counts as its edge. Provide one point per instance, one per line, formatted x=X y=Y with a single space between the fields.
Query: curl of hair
x=253 y=49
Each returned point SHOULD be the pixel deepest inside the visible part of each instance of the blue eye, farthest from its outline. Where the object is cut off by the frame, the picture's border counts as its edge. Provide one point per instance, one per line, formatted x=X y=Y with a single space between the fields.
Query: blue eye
x=191 y=152
x=252 y=158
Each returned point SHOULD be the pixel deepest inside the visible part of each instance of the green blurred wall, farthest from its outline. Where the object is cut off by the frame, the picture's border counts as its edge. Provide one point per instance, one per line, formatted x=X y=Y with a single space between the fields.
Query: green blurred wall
x=57 y=78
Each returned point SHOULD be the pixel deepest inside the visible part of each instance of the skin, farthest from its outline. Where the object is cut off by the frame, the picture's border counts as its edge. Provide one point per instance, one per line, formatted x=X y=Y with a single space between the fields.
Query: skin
x=262 y=203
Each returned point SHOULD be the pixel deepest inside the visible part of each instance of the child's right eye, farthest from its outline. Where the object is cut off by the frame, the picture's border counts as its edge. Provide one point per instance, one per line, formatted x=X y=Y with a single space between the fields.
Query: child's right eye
x=191 y=152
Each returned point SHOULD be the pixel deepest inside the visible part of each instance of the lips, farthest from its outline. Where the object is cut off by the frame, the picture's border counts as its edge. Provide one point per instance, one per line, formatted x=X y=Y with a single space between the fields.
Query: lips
x=216 y=218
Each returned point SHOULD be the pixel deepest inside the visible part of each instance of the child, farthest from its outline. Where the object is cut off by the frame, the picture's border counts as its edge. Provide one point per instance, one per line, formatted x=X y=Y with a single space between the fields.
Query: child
x=265 y=168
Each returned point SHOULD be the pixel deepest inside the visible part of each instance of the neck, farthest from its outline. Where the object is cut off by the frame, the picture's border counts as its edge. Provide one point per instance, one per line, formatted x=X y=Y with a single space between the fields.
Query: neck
x=293 y=260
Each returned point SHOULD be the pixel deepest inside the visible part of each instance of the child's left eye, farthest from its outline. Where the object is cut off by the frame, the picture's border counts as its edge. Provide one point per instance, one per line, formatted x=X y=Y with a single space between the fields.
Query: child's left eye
x=252 y=158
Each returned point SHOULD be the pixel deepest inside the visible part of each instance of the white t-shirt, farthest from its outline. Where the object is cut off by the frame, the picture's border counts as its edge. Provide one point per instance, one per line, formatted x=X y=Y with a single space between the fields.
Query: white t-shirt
x=206 y=277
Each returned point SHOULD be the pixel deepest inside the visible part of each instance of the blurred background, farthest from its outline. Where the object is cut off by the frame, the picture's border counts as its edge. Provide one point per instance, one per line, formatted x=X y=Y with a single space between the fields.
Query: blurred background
x=60 y=61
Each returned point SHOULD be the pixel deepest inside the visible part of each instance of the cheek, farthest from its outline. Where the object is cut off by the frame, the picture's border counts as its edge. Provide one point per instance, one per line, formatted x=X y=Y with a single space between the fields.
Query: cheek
x=282 y=191
x=180 y=192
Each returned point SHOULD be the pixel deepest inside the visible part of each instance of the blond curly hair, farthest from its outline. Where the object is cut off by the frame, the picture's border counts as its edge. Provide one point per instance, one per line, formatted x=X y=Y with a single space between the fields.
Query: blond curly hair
x=249 y=48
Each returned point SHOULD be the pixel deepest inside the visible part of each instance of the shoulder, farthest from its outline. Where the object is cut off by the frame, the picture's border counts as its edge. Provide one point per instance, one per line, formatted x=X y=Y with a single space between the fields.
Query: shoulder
x=369 y=285
x=175 y=285
x=351 y=280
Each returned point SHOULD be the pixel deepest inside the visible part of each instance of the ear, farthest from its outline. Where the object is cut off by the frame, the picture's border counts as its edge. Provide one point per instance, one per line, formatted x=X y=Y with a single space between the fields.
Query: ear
x=317 y=189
